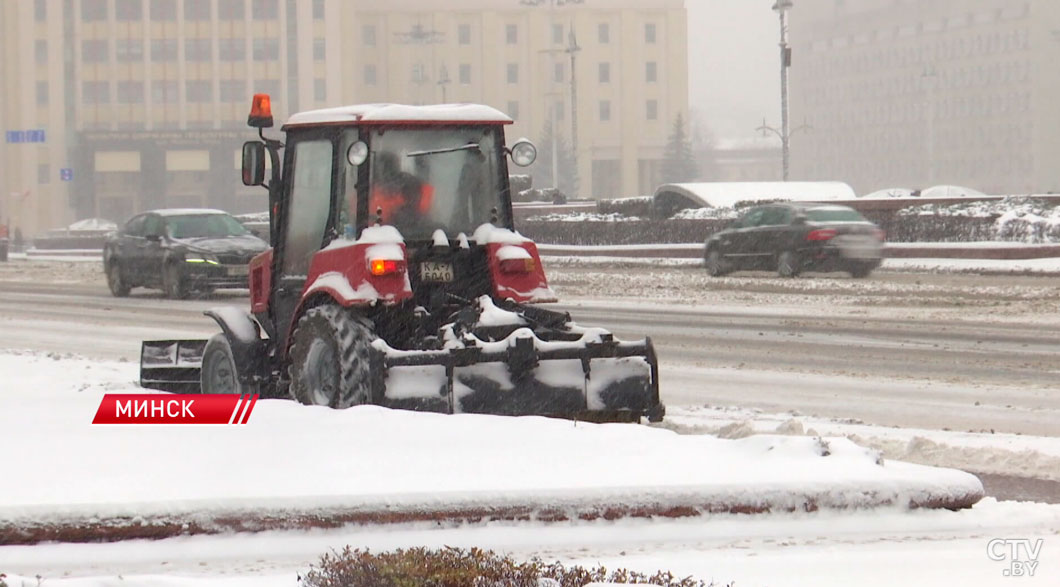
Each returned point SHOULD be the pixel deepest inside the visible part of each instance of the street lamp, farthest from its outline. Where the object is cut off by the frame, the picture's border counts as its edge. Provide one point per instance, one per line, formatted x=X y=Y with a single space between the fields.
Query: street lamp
x=782 y=7
x=443 y=80
x=418 y=35
x=571 y=49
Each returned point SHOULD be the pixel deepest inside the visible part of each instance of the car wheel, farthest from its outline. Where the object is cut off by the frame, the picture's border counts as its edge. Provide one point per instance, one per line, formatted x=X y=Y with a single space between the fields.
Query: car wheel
x=715 y=264
x=219 y=372
x=787 y=264
x=117 y=285
x=173 y=283
x=329 y=358
x=860 y=271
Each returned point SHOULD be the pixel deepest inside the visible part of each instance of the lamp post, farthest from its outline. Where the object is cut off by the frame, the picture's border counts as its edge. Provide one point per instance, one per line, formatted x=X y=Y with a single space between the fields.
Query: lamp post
x=782 y=7
x=443 y=80
x=571 y=49
x=418 y=35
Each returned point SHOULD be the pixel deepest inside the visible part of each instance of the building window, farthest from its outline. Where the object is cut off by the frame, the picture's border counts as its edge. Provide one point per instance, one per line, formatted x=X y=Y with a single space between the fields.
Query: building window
x=318 y=9
x=126 y=50
x=561 y=110
x=163 y=10
x=368 y=35
x=40 y=10
x=265 y=10
x=370 y=77
x=651 y=73
x=44 y=173
x=130 y=92
x=465 y=74
x=511 y=34
x=557 y=34
x=42 y=93
x=164 y=91
x=266 y=49
x=559 y=72
x=94 y=51
x=513 y=109
x=463 y=34
x=198 y=50
x=196 y=10
x=128 y=10
x=605 y=110
x=320 y=89
x=233 y=90
x=651 y=112
x=513 y=73
x=199 y=91
x=603 y=33
x=40 y=51
x=95 y=92
x=320 y=48
x=267 y=86
x=230 y=9
x=231 y=49
x=163 y=50
x=649 y=33
x=605 y=73
x=93 y=10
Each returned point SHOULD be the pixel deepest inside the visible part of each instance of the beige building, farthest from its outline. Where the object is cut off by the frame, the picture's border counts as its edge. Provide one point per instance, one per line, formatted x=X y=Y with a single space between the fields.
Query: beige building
x=913 y=93
x=115 y=106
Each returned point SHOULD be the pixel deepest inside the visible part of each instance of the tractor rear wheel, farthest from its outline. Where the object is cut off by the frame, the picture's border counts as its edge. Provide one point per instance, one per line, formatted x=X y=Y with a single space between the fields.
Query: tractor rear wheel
x=329 y=358
x=219 y=372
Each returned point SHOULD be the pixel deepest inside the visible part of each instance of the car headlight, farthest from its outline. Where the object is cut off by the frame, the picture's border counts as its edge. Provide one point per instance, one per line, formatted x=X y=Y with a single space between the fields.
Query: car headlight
x=200 y=258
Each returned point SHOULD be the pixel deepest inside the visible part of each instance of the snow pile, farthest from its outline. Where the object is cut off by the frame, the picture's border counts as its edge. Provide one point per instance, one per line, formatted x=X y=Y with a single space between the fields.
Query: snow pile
x=584 y=217
x=722 y=213
x=368 y=457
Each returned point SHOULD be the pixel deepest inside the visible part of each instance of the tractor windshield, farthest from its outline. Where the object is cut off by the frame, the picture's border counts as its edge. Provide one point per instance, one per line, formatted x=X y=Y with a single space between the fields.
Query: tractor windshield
x=423 y=179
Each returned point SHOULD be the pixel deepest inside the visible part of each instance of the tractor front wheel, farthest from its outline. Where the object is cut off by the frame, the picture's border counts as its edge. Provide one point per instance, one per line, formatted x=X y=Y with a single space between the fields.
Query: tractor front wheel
x=329 y=358
x=219 y=372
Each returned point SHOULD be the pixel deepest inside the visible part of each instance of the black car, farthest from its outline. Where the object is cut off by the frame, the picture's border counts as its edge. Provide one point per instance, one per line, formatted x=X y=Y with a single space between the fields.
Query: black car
x=791 y=237
x=179 y=250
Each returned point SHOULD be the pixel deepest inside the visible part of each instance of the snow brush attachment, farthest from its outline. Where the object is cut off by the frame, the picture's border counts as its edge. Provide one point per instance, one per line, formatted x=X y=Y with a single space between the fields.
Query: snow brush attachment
x=171 y=365
x=594 y=378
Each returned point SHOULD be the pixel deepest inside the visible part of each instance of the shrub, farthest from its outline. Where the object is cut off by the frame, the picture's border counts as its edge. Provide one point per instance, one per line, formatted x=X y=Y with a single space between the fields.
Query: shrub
x=455 y=567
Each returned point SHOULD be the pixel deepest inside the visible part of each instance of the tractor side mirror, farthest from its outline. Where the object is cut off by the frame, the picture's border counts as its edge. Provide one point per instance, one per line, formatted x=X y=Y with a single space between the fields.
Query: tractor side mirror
x=253 y=163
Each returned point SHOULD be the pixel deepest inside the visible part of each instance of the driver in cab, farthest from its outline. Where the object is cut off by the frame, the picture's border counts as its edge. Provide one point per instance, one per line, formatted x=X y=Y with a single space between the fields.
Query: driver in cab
x=400 y=198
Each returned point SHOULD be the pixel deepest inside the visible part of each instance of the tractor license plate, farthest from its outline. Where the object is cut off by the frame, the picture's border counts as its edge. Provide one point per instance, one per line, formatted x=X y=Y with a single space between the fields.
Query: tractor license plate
x=432 y=271
x=237 y=270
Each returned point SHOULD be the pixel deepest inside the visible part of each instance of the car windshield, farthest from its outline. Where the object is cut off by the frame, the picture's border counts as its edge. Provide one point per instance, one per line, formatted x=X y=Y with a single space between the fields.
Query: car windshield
x=834 y=214
x=204 y=225
x=425 y=179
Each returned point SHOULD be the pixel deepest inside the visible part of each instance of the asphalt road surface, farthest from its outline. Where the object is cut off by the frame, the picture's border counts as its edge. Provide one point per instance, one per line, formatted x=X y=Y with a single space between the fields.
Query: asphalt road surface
x=950 y=352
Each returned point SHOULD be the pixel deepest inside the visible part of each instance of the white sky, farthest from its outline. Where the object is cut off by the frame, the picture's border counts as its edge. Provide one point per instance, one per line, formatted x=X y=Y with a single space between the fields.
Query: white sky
x=734 y=76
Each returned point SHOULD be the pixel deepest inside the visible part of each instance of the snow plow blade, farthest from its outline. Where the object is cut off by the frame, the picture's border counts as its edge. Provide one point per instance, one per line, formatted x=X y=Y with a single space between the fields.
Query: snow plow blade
x=171 y=365
x=598 y=381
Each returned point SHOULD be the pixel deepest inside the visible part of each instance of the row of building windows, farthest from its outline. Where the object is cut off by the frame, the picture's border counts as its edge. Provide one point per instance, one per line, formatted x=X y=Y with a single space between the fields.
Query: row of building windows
x=511 y=34
x=651 y=110
x=166 y=91
x=166 y=10
x=419 y=75
x=951 y=49
x=165 y=50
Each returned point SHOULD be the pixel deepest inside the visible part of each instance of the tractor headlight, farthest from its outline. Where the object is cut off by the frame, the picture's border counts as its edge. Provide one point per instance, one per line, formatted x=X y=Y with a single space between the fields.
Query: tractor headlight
x=523 y=153
x=200 y=258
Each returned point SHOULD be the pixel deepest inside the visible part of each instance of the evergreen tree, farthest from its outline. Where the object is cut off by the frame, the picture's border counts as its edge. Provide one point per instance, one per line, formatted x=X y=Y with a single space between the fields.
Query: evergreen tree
x=679 y=160
x=542 y=168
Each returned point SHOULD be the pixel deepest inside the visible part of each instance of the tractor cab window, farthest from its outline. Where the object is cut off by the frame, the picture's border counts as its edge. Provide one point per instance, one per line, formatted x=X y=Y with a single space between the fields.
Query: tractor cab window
x=448 y=178
x=308 y=205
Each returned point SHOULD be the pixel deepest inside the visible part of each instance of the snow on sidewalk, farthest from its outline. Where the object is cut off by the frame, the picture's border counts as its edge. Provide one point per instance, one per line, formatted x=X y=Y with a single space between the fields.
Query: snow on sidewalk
x=297 y=458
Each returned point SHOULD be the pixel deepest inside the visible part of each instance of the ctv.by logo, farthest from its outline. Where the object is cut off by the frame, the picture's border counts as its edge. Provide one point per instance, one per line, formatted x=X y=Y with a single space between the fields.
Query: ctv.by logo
x=1021 y=554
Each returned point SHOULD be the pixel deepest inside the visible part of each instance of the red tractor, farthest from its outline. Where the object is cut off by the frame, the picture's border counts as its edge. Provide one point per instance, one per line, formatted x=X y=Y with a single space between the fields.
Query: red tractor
x=396 y=278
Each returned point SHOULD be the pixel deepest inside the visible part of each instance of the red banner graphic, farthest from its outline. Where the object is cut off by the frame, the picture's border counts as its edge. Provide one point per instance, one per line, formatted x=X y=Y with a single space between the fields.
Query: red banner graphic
x=144 y=408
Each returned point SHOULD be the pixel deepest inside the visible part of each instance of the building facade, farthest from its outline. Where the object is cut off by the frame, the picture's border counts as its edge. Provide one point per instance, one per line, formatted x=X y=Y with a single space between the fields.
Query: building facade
x=914 y=93
x=111 y=107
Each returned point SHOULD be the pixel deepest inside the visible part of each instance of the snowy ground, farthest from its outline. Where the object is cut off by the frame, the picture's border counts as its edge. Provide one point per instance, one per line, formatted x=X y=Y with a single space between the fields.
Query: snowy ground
x=882 y=547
